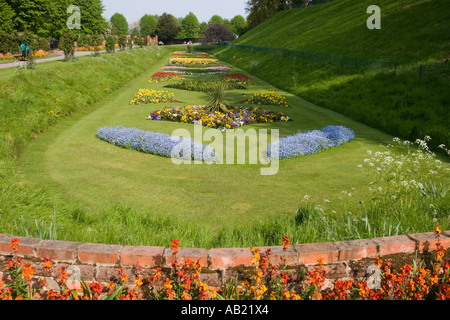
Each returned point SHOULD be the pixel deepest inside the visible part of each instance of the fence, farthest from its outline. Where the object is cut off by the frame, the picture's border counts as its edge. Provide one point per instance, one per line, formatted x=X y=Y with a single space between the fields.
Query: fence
x=441 y=69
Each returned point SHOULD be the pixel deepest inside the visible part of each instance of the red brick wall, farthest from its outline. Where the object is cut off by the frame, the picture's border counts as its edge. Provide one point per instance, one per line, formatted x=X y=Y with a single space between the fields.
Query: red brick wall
x=100 y=262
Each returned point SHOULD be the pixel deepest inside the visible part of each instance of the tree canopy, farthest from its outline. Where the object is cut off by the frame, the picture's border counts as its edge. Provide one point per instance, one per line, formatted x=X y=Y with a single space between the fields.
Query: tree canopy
x=119 y=24
x=48 y=18
x=148 y=24
x=168 y=27
x=190 y=27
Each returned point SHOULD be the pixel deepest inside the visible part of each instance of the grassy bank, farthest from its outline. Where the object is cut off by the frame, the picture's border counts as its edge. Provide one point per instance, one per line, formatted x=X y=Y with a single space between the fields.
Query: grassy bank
x=409 y=101
x=33 y=101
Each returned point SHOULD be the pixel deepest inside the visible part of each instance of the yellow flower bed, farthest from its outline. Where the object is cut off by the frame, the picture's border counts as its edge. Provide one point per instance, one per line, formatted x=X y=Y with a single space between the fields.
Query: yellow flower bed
x=267 y=98
x=193 y=61
x=145 y=96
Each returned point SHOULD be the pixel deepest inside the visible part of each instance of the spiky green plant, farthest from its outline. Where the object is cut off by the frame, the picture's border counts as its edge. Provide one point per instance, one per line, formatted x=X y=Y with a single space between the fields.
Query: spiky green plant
x=217 y=101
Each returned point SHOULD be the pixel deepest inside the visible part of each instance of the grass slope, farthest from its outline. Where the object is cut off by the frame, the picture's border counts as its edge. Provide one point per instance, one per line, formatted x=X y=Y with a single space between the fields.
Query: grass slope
x=403 y=104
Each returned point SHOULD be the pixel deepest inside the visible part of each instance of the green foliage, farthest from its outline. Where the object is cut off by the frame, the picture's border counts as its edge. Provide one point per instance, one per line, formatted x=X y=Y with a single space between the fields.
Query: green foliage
x=66 y=44
x=148 y=24
x=216 y=33
x=119 y=24
x=122 y=41
x=168 y=28
x=110 y=43
x=8 y=42
x=239 y=25
x=92 y=20
x=202 y=86
x=217 y=101
x=6 y=17
x=189 y=27
x=95 y=41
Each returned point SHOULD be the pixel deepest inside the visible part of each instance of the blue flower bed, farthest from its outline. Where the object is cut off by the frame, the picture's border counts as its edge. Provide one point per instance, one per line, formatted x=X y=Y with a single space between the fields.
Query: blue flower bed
x=156 y=143
x=302 y=144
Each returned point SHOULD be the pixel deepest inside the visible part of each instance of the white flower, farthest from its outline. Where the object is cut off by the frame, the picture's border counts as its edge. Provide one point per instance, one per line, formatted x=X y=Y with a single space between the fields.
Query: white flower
x=306 y=197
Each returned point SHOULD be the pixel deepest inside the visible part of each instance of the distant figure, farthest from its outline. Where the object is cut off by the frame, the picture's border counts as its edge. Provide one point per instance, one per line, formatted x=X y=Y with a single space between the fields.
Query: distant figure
x=25 y=49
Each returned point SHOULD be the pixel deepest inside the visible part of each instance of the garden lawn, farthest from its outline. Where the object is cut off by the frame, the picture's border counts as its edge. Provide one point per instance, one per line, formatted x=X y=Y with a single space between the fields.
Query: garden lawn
x=107 y=194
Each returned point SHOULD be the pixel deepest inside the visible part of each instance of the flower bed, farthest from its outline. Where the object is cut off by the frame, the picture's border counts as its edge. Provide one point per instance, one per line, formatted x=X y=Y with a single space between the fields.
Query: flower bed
x=192 y=61
x=190 y=54
x=267 y=98
x=202 y=86
x=156 y=143
x=310 y=142
x=237 y=78
x=235 y=117
x=145 y=96
x=269 y=279
x=164 y=76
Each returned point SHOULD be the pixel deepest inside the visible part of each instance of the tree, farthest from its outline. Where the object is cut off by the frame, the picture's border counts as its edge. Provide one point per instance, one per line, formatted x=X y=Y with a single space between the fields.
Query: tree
x=168 y=27
x=8 y=42
x=216 y=19
x=110 y=44
x=148 y=24
x=66 y=44
x=190 y=27
x=48 y=18
x=119 y=24
x=6 y=17
x=260 y=10
x=239 y=25
x=92 y=20
x=216 y=33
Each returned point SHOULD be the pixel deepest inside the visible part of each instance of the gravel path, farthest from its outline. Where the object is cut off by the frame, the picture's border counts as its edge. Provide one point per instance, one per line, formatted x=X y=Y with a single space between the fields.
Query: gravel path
x=59 y=57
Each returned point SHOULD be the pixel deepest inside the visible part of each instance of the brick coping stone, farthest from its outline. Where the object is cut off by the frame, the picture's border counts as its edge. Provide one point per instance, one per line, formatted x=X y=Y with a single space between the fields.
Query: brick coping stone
x=221 y=258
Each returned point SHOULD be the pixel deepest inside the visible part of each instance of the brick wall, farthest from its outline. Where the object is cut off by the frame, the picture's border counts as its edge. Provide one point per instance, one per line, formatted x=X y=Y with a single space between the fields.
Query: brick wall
x=343 y=260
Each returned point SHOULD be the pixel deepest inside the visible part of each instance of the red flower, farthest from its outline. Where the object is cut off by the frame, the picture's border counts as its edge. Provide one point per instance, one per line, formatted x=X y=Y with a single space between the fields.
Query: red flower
x=174 y=245
x=14 y=244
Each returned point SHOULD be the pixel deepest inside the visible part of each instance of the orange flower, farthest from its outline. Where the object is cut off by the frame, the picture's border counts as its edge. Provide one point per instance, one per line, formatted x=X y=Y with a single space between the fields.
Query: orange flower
x=14 y=244
x=174 y=245
x=285 y=242
x=138 y=281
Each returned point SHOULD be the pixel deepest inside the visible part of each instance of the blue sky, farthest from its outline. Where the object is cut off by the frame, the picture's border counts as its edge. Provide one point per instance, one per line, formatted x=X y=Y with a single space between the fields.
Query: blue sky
x=133 y=10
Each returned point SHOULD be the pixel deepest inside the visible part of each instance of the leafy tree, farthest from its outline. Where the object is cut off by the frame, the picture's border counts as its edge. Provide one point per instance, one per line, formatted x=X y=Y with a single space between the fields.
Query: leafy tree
x=110 y=44
x=239 y=25
x=135 y=32
x=216 y=33
x=168 y=27
x=92 y=20
x=122 y=41
x=119 y=24
x=216 y=19
x=95 y=41
x=202 y=29
x=260 y=10
x=8 y=42
x=6 y=17
x=190 y=27
x=83 y=41
x=148 y=24
x=66 y=44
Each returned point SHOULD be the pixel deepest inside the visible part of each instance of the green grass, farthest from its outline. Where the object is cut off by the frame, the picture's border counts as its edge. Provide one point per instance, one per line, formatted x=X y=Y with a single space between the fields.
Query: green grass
x=402 y=104
x=111 y=195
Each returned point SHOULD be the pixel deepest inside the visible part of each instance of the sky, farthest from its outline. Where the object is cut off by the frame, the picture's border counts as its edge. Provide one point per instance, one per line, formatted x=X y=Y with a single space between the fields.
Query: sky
x=133 y=10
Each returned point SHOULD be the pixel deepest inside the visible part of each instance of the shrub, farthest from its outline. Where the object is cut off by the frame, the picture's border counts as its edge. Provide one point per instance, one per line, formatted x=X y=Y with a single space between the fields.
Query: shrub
x=66 y=44
x=110 y=44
